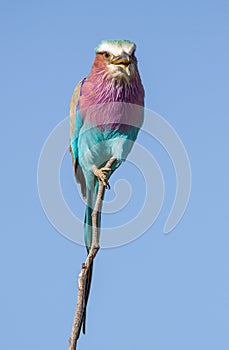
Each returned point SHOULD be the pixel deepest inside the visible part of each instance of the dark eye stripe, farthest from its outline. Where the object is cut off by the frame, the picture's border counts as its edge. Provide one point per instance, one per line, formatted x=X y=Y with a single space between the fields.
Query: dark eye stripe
x=103 y=53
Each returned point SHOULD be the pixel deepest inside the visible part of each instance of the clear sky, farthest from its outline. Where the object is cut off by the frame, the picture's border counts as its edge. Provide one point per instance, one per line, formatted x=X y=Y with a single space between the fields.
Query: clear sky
x=161 y=291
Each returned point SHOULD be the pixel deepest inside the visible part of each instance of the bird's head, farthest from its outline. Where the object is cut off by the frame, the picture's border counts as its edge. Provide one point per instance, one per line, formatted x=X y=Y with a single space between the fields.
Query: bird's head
x=117 y=58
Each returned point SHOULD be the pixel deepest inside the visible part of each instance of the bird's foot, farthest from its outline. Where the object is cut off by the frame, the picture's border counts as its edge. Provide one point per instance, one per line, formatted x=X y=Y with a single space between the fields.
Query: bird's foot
x=102 y=175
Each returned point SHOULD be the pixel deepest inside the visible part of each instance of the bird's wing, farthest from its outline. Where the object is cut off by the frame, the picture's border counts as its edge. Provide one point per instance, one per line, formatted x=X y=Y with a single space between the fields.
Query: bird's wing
x=75 y=125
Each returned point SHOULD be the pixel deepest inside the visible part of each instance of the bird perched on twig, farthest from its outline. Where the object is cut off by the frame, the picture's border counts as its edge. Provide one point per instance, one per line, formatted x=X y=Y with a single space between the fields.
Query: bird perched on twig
x=106 y=113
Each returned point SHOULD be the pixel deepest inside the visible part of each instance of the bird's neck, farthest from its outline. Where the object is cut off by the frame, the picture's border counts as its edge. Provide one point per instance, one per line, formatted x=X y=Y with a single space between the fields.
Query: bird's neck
x=100 y=88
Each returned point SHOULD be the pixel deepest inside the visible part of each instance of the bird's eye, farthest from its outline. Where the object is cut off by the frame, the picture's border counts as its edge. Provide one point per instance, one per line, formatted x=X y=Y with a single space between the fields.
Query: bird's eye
x=106 y=54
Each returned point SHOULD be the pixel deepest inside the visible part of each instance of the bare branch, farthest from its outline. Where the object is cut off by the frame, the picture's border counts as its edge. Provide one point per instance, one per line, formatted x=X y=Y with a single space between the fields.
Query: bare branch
x=80 y=306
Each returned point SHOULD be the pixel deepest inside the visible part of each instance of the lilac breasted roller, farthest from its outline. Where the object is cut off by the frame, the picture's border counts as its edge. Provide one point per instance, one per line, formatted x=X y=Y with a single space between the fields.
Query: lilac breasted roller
x=106 y=113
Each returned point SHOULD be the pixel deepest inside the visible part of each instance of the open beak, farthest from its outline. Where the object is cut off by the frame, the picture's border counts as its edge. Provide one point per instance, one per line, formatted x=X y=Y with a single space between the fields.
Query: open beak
x=122 y=61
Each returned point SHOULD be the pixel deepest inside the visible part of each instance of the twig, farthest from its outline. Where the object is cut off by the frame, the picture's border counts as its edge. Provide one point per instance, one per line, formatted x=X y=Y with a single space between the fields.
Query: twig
x=76 y=327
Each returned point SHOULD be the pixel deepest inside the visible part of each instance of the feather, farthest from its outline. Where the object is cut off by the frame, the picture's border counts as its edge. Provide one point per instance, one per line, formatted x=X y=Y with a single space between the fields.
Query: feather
x=73 y=121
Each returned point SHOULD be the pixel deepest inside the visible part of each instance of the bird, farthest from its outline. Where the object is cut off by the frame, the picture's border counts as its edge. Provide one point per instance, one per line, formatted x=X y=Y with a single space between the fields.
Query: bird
x=106 y=114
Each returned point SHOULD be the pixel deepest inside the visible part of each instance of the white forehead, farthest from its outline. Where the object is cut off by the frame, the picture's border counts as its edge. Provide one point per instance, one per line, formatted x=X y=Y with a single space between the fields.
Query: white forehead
x=115 y=48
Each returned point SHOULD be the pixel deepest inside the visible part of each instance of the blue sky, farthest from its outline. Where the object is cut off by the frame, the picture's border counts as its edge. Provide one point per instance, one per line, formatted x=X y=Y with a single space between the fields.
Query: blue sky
x=161 y=291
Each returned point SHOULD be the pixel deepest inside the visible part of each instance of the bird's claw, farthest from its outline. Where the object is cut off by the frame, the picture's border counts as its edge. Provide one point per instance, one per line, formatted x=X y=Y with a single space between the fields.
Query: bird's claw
x=101 y=174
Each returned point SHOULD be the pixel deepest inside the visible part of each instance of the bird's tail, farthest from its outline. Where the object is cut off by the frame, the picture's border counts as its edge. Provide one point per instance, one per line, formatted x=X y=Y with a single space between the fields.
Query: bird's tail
x=88 y=227
x=86 y=296
x=88 y=234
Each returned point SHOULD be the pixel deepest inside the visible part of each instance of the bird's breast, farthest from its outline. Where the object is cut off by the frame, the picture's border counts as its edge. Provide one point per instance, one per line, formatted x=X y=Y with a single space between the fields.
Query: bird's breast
x=113 y=116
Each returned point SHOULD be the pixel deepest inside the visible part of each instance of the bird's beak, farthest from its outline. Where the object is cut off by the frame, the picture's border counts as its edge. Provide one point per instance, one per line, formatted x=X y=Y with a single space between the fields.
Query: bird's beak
x=123 y=61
